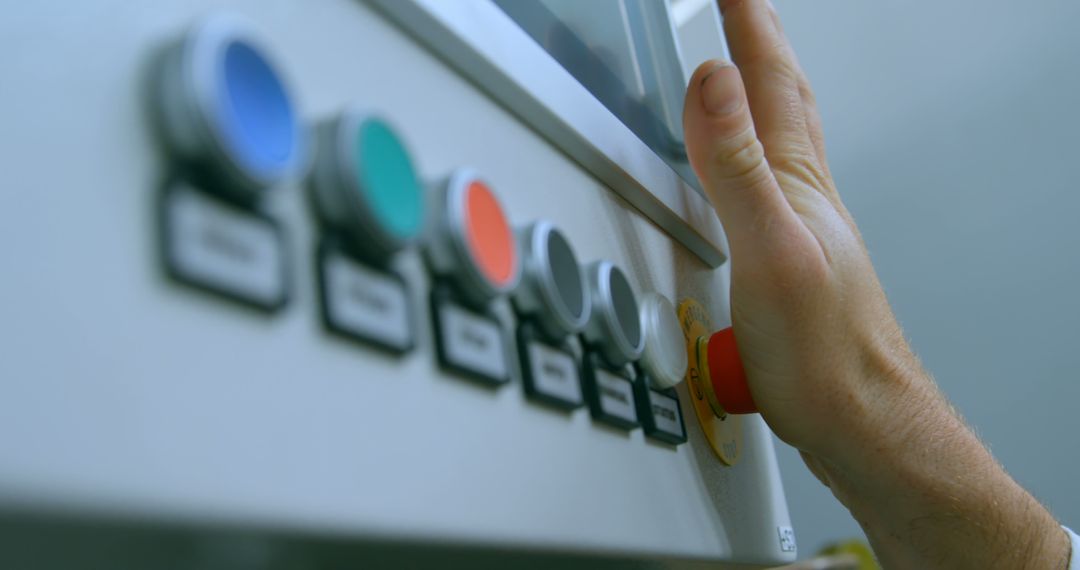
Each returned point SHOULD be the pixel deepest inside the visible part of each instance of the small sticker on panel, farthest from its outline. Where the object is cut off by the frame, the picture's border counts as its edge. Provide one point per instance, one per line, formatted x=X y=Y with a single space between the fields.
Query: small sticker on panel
x=366 y=303
x=471 y=343
x=787 y=538
x=554 y=373
x=227 y=250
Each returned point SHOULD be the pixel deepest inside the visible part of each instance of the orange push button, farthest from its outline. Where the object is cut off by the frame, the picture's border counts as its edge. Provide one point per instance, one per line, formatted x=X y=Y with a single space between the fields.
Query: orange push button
x=472 y=245
x=488 y=235
x=726 y=374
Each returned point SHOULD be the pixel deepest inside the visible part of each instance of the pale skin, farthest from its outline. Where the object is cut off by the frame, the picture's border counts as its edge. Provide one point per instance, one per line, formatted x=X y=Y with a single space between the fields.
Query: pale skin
x=827 y=363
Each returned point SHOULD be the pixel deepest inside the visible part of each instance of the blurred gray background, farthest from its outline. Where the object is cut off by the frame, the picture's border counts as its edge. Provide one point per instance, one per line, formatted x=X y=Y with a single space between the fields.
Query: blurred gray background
x=953 y=135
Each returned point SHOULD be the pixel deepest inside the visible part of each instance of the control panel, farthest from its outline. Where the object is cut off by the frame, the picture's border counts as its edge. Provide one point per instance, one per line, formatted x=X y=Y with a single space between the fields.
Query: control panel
x=325 y=284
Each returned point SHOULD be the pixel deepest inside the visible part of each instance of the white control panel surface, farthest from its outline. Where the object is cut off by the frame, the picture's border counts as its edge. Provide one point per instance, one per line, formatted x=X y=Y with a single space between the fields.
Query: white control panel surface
x=123 y=392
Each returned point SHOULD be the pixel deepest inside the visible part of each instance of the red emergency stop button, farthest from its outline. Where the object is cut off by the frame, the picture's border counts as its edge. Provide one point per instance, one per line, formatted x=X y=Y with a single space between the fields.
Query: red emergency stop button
x=726 y=374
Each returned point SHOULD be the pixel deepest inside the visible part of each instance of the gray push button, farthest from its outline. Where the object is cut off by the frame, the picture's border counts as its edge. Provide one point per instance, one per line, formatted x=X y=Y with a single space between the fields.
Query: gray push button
x=553 y=291
x=614 y=340
x=614 y=328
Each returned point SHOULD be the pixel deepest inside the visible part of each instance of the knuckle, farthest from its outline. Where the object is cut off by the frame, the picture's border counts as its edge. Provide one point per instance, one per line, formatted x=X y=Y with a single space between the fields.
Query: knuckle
x=773 y=61
x=803 y=167
x=741 y=160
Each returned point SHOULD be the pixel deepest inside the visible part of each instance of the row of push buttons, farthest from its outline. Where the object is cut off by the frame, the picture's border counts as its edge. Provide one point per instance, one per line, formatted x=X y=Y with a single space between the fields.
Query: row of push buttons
x=229 y=122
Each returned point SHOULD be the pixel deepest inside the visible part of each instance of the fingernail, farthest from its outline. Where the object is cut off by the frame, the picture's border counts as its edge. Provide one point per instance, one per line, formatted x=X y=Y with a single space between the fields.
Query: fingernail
x=720 y=91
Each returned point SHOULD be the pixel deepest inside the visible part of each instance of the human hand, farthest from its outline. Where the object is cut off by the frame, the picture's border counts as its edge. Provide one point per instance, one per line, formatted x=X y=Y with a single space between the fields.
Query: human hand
x=826 y=361
x=819 y=343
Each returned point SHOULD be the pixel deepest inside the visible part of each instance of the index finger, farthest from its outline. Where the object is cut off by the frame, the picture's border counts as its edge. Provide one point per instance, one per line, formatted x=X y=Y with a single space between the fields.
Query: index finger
x=772 y=78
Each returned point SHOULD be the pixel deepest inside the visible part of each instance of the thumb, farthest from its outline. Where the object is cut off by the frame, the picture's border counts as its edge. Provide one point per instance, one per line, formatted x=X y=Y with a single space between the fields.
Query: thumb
x=727 y=156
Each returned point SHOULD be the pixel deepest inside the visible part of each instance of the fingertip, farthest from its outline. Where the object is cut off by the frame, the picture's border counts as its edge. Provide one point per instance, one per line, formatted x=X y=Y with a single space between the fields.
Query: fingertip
x=716 y=91
x=716 y=104
x=706 y=69
x=722 y=91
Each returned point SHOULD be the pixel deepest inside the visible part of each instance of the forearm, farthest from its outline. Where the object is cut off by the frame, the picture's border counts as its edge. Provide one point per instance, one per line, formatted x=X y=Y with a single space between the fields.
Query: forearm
x=929 y=495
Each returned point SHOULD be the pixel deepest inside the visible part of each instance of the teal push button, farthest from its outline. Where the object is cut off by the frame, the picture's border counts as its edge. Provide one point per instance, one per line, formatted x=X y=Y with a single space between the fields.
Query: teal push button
x=366 y=185
x=388 y=180
x=226 y=111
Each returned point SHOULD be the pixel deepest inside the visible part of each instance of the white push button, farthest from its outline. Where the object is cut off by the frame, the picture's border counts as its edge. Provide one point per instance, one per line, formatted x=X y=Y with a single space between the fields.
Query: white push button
x=664 y=357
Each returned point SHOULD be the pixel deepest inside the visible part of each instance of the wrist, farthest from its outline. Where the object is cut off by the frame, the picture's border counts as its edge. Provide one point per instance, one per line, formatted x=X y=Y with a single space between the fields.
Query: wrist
x=914 y=475
x=891 y=411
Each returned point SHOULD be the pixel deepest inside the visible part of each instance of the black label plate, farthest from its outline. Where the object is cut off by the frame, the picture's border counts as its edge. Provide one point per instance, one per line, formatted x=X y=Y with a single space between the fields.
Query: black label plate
x=363 y=302
x=550 y=371
x=468 y=342
x=610 y=393
x=216 y=246
x=660 y=413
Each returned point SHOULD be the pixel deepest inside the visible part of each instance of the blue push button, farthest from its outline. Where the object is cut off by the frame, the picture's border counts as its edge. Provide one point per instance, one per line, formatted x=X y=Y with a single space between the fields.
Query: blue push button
x=225 y=110
x=256 y=115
